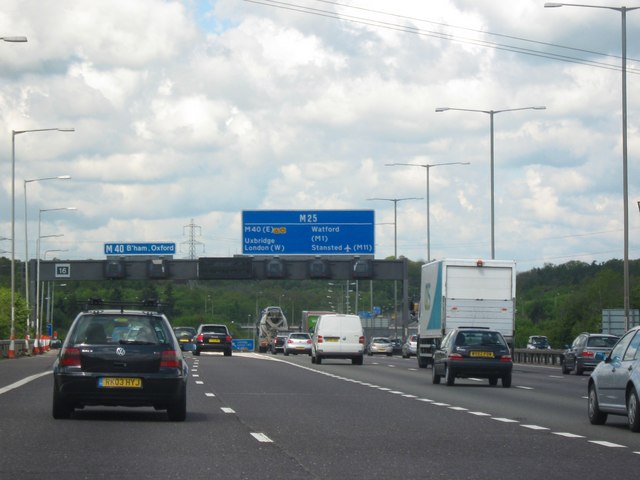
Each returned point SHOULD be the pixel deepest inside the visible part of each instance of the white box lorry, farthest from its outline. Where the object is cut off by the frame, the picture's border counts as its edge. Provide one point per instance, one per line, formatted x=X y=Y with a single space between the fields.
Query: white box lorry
x=464 y=293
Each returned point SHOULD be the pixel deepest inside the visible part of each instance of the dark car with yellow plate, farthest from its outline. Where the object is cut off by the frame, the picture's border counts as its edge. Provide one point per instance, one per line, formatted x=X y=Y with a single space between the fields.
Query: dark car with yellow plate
x=120 y=357
x=473 y=352
x=213 y=338
x=186 y=337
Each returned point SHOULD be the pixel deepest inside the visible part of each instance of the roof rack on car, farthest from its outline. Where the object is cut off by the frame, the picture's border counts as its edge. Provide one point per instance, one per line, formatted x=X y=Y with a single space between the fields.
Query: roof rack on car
x=146 y=306
x=471 y=326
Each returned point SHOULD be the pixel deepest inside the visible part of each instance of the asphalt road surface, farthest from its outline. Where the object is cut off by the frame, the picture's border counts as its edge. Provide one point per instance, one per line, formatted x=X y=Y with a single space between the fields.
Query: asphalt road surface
x=263 y=416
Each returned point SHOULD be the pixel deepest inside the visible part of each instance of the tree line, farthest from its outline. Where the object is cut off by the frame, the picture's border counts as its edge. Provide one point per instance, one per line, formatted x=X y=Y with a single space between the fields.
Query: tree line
x=558 y=301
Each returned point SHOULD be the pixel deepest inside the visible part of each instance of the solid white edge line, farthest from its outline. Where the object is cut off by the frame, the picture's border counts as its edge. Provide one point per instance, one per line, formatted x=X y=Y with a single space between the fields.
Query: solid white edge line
x=24 y=381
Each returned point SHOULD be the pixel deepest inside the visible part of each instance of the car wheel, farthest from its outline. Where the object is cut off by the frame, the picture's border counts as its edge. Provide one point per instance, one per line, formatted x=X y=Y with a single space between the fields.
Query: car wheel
x=633 y=410
x=61 y=409
x=196 y=352
x=493 y=381
x=178 y=411
x=596 y=416
x=404 y=355
x=449 y=376
x=274 y=351
x=370 y=354
x=565 y=369
x=357 y=361
x=435 y=378
x=423 y=362
x=228 y=353
x=390 y=354
x=579 y=369
x=313 y=359
x=286 y=353
x=506 y=380
x=318 y=360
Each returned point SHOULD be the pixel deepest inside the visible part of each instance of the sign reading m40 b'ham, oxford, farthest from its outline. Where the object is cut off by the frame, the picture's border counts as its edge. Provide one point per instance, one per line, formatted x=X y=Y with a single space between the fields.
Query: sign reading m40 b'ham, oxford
x=308 y=232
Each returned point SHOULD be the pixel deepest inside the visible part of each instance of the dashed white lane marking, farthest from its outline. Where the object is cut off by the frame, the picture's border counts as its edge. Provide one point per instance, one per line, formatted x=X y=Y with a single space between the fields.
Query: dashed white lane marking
x=408 y=395
x=607 y=444
x=534 y=427
x=396 y=392
x=228 y=410
x=199 y=382
x=458 y=409
x=523 y=387
x=261 y=437
x=195 y=375
x=209 y=394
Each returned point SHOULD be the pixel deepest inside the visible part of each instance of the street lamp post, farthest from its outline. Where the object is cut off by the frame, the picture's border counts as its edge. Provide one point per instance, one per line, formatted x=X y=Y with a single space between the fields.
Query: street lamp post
x=625 y=188
x=36 y=347
x=26 y=246
x=491 y=113
x=395 y=252
x=427 y=167
x=11 y=353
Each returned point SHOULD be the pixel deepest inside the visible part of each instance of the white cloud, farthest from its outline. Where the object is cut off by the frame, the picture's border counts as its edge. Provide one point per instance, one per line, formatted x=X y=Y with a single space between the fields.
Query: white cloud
x=186 y=110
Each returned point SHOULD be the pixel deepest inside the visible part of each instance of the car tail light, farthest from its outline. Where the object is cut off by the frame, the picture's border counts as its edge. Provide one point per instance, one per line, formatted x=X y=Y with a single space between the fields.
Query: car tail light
x=289 y=341
x=170 y=359
x=309 y=341
x=320 y=338
x=505 y=358
x=361 y=340
x=200 y=338
x=455 y=356
x=588 y=354
x=70 y=357
x=228 y=339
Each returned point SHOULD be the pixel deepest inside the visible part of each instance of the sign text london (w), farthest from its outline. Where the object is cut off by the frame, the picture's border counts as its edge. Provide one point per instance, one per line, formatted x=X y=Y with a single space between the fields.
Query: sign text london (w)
x=301 y=232
x=139 y=248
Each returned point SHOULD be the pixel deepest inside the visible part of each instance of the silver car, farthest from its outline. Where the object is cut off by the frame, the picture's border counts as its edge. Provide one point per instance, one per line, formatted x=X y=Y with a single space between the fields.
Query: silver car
x=380 y=345
x=297 y=342
x=410 y=346
x=614 y=385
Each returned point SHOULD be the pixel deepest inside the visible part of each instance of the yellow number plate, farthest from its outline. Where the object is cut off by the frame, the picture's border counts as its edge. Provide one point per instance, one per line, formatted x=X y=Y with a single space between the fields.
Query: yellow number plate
x=481 y=354
x=214 y=340
x=332 y=339
x=119 y=382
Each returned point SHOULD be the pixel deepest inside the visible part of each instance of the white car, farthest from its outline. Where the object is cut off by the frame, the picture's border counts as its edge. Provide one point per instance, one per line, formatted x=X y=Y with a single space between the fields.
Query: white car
x=297 y=342
x=380 y=345
x=410 y=347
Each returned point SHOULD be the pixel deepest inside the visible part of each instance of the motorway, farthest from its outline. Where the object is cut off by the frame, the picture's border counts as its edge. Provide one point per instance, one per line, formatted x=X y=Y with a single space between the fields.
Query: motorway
x=263 y=416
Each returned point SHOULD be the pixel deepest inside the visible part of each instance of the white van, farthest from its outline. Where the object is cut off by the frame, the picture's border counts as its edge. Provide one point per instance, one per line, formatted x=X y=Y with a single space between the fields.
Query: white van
x=338 y=336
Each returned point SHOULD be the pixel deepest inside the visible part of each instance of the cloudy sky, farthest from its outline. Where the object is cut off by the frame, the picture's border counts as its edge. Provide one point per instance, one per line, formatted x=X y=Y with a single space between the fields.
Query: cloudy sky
x=200 y=109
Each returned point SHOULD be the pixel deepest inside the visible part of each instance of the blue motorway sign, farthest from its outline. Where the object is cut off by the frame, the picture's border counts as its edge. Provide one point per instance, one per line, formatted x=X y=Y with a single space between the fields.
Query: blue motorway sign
x=242 y=344
x=139 y=248
x=308 y=232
